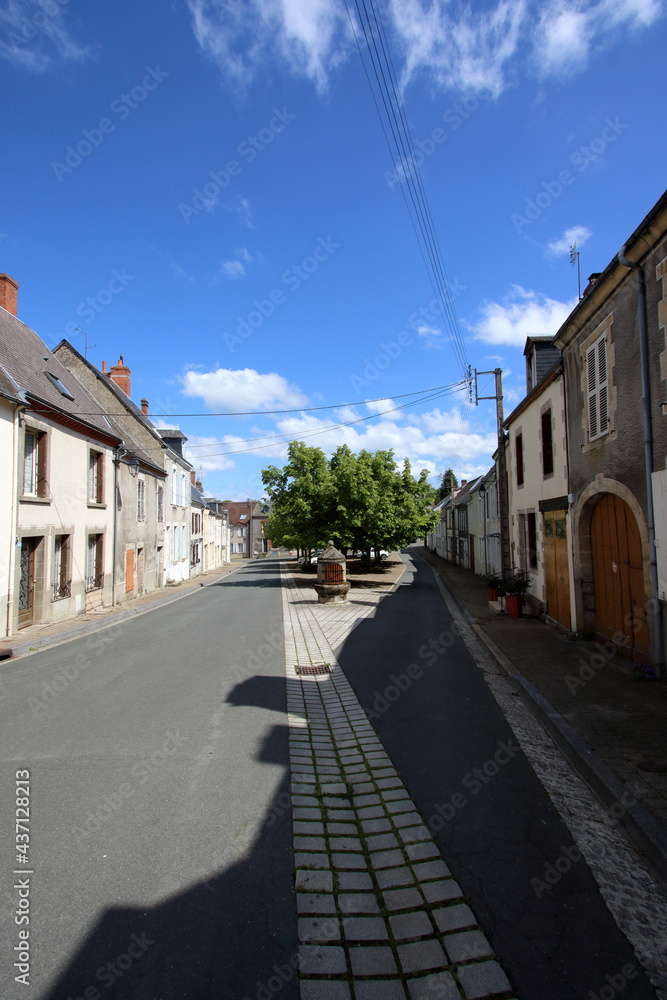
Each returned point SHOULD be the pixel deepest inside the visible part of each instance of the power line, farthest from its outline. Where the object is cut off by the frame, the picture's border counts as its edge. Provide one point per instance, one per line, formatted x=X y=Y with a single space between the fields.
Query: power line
x=268 y=413
x=322 y=430
x=420 y=214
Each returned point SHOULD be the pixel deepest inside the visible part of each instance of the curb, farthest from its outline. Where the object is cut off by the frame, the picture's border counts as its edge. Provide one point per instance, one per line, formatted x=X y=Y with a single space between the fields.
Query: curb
x=20 y=649
x=645 y=830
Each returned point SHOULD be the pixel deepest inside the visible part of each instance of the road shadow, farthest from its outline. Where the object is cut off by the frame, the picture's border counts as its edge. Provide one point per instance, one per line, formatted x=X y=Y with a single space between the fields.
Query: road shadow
x=232 y=936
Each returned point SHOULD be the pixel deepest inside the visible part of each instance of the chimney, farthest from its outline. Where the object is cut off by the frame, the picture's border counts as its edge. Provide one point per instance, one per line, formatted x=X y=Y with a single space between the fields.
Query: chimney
x=592 y=280
x=9 y=294
x=120 y=374
x=193 y=476
x=104 y=368
x=144 y=407
x=464 y=482
x=199 y=485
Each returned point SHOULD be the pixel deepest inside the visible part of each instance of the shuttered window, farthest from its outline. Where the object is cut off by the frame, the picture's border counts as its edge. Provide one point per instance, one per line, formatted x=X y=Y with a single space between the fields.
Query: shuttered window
x=597 y=389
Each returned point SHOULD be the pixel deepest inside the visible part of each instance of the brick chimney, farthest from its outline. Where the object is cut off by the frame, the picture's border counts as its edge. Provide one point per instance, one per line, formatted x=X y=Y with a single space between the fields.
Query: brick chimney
x=144 y=407
x=120 y=374
x=199 y=485
x=193 y=476
x=464 y=482
x=9 y=294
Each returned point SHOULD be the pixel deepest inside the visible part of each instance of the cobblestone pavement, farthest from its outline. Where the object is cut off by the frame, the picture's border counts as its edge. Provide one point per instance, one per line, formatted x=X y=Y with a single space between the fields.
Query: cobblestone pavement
x=380 y=916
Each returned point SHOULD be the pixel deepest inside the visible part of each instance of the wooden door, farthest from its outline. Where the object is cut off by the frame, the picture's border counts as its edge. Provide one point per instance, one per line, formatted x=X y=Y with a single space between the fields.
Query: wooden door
x=618 y=578
x=129 y=571
x=556 y=566
x=27 y=582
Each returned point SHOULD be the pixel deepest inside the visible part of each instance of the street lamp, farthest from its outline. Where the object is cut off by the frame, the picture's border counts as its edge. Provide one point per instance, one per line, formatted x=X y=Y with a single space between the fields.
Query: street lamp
x=133 y=466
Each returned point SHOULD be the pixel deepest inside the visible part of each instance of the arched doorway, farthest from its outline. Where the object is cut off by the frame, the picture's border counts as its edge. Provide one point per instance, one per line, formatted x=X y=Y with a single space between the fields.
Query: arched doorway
x=618 y=577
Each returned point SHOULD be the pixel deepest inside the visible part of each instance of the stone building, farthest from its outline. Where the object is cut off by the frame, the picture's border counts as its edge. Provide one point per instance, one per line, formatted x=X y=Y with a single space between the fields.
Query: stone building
x=617 y=442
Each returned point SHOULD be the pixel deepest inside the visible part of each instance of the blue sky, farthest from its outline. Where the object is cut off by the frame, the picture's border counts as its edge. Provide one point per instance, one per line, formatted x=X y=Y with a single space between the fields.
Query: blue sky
x=204 y=187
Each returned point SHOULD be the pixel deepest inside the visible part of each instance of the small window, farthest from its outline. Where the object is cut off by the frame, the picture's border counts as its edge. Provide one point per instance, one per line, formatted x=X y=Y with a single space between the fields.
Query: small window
x=55 y=381
x=547 y=445
x=243 y=517
x=94 y=562
x=141 y=500
x=62 y=584
x=34 y=463
x=531 y=540
x=95 y=477
x=518 y=451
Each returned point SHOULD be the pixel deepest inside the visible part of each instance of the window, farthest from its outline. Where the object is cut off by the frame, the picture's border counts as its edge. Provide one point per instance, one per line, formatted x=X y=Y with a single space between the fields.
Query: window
x=141 y=500
x=55 y=381
x=597 y=388
x=160 y=504
x=184 y=542
x=531 y=540
x=94 y=572
x=176 y=555
x=34 y=463
x=173 y=487
x=518 y=451
x=183 y=501
x=95 y=477
x=61 y=576
x=547 y=445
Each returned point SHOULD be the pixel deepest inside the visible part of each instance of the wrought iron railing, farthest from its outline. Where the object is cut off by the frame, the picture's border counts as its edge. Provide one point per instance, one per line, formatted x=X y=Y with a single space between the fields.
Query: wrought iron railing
x=94 y=582
x=61 y=590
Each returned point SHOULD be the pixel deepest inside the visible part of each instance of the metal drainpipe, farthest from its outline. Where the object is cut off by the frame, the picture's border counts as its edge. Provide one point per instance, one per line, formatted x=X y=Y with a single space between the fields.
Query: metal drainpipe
x=658 y=641
x=120 y=453
x=11 y=568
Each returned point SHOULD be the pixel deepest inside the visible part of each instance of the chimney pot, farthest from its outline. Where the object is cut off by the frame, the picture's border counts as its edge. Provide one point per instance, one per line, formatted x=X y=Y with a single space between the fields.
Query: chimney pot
x=104 y=368
x=144 y=407
x=9 y=294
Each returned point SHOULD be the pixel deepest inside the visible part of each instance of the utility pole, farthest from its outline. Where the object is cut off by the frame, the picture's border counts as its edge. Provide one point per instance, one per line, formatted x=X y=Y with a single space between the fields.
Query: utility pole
x=503 y=501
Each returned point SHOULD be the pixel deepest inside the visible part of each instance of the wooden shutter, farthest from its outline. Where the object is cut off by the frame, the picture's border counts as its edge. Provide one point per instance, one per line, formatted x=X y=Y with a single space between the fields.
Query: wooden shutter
x=592 y=392
x=603 y=404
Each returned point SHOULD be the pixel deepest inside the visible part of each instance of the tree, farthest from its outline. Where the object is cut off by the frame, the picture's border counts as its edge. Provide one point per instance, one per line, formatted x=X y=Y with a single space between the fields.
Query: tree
x=448 y=483
x=362 y=502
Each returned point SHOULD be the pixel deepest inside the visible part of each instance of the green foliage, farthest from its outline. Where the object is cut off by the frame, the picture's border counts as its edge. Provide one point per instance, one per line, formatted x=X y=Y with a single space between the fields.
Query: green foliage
x=448 y=483
x=362 y=502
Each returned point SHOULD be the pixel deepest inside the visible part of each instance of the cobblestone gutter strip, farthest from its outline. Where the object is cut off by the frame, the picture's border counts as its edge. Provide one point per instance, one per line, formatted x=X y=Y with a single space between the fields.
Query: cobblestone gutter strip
x=380 y=916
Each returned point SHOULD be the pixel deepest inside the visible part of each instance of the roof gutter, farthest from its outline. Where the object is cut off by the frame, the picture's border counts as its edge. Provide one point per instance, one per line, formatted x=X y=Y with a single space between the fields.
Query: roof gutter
x=642 y=320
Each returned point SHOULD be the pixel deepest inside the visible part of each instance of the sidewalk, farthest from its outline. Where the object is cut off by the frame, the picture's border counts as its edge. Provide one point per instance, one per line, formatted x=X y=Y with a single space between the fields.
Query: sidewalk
x=37 y=637
x=611 y=727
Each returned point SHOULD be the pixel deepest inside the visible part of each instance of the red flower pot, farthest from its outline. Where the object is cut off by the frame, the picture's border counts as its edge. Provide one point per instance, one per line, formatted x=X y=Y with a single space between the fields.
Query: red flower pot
x=514 y=604
x=493 y=593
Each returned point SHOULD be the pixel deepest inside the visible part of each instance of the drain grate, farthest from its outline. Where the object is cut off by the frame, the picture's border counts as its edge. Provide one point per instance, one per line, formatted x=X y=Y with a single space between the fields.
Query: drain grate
x=318 y=668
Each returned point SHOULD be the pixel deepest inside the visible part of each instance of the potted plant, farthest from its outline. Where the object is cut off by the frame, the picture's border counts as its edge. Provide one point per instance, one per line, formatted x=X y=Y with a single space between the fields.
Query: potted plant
x=515 y=587
x=493 y=583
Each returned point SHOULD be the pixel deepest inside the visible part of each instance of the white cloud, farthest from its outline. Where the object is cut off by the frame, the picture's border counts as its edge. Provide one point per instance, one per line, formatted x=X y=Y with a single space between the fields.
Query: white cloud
x=384 y=406
x=561 y=246
x=521 y=314
x=458 y=47
x=244 y=389
x=204 y=453
x=234 y=269
x=36 y=36
x=568 y=31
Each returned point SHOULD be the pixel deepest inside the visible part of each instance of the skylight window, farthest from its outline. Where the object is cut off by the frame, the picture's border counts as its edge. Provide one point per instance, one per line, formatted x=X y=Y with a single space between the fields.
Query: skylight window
x=243 y=517
x=55 y=381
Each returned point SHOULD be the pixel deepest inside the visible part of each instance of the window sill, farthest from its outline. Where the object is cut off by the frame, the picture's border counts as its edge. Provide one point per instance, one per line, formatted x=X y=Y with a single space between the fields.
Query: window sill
x=27 y=498
x=96 y=505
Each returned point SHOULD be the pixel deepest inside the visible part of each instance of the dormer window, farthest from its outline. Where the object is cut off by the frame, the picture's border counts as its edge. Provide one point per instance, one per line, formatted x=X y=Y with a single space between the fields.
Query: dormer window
x=55 y=381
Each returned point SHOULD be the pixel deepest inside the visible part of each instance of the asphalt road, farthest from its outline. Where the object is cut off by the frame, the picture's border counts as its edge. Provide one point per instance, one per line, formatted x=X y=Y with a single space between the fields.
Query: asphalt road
x=490 y=815
x=159 y=838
